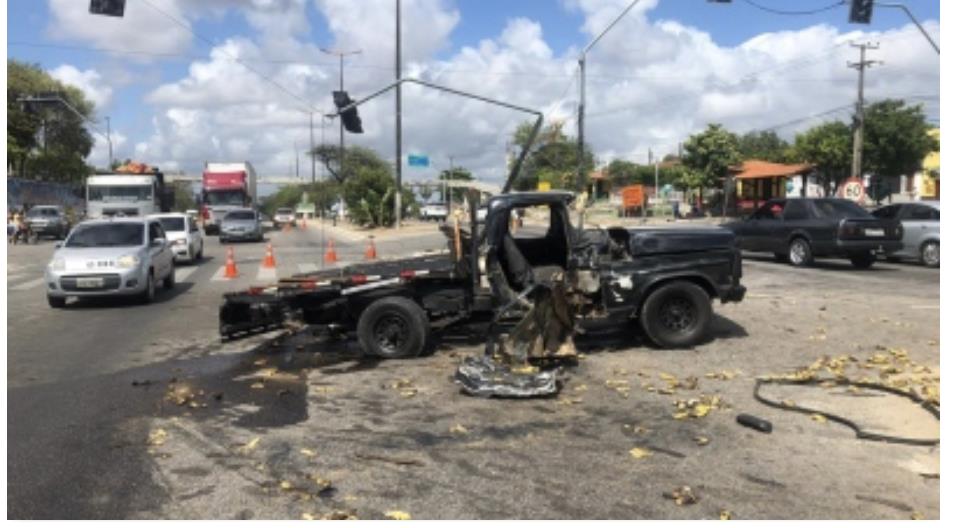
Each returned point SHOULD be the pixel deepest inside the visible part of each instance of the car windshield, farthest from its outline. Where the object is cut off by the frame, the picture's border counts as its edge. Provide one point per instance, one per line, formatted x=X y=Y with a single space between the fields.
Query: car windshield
x=36 y=213
x=107 y=235
x=174 y=224
x=240 y=215
x=840 y=209
x=225 y=197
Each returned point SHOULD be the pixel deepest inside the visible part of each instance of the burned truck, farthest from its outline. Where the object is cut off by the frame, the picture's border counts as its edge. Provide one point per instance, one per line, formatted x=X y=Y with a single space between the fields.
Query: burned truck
x=661 y=279
x=547 y=280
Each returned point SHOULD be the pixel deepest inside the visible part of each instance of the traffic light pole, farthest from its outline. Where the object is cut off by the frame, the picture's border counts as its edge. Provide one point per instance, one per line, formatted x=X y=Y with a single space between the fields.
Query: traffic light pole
x=398 y=207
x=341 y=55
x=914 y=21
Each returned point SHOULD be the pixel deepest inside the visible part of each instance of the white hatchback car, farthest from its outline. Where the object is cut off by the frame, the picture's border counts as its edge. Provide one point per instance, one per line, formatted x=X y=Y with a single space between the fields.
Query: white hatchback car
x=187 y=243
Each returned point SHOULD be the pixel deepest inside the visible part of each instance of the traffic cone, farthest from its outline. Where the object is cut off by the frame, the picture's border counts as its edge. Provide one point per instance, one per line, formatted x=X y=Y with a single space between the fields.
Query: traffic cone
x=231 y=271
x=269 y=261
x=371 y=250
x=330 y=255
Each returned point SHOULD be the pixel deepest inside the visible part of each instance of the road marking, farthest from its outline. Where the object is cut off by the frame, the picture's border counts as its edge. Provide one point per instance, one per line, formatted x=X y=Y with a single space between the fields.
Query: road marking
x=266 y=274
x=29 y=285
x=180 y=274
x=307 y=267
x=220 y=274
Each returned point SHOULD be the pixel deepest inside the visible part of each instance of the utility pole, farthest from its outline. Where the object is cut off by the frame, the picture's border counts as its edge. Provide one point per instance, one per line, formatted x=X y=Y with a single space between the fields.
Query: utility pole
x=860 y=106
x=110 y=144
x=341 y=55
x=581 y=65
x=398 y=115
x=296 y=148
x=312 y=142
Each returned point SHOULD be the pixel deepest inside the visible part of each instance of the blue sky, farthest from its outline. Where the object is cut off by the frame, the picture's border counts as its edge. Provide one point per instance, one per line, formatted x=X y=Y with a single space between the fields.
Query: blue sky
x=31 y=37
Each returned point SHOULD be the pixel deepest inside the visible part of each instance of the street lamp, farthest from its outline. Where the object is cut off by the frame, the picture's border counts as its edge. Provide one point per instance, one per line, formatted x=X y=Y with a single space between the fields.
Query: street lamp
x=342 y=55
x=581 y=63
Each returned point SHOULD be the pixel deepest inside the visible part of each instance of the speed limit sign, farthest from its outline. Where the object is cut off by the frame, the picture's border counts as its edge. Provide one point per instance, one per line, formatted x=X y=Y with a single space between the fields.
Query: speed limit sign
x=853 y=189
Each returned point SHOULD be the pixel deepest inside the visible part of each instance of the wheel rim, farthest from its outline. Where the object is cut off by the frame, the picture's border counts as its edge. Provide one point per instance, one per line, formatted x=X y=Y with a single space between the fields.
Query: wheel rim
x=390 y=333
x=930 y=254
x=797 y=252
x=677 y=314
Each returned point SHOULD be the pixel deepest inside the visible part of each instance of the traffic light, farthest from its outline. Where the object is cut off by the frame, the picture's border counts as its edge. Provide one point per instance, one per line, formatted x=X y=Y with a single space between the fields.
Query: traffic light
x=113 y=8
x=350 y=118
x=861 y=12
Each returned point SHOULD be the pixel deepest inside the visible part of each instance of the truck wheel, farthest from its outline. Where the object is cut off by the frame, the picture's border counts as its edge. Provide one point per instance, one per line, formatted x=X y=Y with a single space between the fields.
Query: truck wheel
x=676 y=315
x=929 y=254
x=800 y=253
x=393 y=327
x=862 y=260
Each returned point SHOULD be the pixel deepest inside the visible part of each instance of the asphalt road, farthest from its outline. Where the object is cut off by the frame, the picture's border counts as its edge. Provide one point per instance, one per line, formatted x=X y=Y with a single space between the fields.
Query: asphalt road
x=95 y=429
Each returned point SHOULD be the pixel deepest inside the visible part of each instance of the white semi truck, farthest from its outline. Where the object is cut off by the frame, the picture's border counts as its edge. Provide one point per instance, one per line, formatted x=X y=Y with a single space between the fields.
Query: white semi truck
x=134 y=189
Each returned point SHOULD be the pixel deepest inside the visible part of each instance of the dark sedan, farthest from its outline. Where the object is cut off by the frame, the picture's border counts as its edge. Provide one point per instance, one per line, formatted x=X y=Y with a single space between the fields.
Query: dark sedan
x=800 y=229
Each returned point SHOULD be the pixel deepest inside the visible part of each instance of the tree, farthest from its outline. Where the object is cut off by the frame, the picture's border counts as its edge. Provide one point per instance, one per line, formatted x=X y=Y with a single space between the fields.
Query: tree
x=356 y=159
x=553 y=159
x=324 y=193
x=829 y=147
x=456 y=174
x=45 y=140
x=896 y=140
x=765 y=146
x=708 y=156
x=184 y=199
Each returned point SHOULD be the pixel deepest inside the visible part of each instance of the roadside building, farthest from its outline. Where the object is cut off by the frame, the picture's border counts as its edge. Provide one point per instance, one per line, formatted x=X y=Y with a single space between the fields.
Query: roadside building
x=758 y=181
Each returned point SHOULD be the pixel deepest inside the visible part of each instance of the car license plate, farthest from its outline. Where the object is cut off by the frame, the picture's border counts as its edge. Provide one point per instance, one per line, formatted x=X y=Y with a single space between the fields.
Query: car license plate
x=875 y=232
x=93 y=282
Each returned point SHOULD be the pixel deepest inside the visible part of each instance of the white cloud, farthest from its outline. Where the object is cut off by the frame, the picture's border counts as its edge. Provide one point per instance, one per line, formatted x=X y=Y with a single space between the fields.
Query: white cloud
x=88 y=81
x=649 y=85
x=143 y=28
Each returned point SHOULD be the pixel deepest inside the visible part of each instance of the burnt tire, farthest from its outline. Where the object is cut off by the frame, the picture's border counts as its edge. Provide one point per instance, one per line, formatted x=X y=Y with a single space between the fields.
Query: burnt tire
x=800 y=253
x=392 y=328
x=677 y=315
x=862 y=260
x=929 y=254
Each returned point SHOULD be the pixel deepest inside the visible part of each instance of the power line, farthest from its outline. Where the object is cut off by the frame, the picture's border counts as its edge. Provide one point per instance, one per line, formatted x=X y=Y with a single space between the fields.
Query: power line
x=794 y=13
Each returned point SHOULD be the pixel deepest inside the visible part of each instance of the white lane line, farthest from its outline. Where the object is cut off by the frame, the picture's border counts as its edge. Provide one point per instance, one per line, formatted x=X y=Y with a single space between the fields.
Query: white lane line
x=219 y=275
x=29 y=285
x=180 y=274
x=307 y=267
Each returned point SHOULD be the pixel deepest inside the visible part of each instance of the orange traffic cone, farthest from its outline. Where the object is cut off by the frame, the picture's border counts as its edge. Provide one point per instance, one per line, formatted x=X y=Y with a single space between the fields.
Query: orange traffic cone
x=330 y=255
x=269 y=261
x=231 y=271
x=371 y=250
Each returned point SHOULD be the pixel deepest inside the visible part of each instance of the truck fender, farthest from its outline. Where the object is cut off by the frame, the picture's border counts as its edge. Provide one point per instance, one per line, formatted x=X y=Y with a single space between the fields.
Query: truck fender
x=653 y=282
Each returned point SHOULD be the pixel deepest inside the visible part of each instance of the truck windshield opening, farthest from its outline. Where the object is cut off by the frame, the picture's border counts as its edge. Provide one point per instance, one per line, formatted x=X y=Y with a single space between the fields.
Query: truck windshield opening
x=232 y=197
x=119 y=193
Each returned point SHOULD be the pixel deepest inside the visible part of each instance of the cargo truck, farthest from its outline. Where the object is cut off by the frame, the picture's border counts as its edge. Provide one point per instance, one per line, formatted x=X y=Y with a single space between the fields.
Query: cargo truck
x=226 y=186
x=134 y=189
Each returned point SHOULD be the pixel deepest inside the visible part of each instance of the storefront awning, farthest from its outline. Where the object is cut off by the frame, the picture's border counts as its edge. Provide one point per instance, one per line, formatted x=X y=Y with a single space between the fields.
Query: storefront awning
x=757 y=169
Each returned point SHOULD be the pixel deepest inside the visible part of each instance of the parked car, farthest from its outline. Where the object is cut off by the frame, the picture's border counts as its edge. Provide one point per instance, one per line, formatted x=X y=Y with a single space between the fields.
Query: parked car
x=111 y=257
x=182 y=232
x=241 y=224
x=48 y=220
x=283 y=216
x=433 y=211
x=800 y=229
x=920 y=227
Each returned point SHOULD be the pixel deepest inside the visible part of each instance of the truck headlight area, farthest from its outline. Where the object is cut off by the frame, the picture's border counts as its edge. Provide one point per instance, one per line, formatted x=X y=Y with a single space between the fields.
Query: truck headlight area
x=128 y=261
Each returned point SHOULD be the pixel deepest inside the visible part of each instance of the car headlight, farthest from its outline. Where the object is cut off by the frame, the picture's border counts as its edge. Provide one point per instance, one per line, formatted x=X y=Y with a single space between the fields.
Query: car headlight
x=128 y=261
x=57 y=264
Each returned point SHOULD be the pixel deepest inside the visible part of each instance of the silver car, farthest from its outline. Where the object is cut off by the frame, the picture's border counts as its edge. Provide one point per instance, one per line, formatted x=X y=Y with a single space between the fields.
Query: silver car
x=112 y=257
x=241 y=224
x=182 y=231
x=920 y=225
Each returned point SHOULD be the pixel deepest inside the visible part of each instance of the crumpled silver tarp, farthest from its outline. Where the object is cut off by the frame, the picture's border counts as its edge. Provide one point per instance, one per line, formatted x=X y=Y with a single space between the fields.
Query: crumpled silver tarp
x=485 y=377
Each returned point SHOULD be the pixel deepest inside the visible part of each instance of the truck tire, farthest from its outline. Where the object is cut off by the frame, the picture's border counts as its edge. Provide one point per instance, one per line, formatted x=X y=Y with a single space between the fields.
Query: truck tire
x=676 y=315
x=862 y=260
x=800 y=253
x=393 y=327
x=929 y=254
